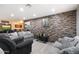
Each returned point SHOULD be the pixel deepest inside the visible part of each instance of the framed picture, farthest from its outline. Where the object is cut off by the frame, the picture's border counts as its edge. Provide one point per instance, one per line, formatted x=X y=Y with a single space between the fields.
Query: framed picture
x=27 y=25
x=45 y=22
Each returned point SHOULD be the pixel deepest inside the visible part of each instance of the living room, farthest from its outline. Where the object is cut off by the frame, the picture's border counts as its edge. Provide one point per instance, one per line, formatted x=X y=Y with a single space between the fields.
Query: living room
x=26 y=30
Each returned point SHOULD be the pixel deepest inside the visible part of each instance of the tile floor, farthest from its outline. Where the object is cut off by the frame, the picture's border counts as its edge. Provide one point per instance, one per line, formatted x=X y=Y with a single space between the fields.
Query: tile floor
x=43 y=48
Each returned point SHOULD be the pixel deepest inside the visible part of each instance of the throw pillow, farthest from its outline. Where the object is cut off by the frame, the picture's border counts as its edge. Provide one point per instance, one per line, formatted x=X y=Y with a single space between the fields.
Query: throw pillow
x=76 y=37
x=69 y=39
x=77 y=45
x=57 y=45
x=60 y=39
x=13 y=35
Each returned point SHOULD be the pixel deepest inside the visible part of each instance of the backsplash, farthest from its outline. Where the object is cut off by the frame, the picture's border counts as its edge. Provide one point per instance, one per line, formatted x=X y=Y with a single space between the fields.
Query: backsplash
x=60 y=25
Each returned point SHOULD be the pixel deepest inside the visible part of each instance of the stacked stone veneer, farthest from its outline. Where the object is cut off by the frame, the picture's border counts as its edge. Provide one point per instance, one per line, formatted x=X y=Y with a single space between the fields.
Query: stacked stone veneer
x=60 y=25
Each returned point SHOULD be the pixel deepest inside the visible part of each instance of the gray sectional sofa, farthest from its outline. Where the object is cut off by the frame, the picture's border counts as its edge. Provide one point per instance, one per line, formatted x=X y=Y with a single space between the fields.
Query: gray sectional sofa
x=67 y=45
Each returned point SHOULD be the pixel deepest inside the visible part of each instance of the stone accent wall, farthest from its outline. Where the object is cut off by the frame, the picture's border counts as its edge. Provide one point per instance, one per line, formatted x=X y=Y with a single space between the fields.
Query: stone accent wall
x=60 y=25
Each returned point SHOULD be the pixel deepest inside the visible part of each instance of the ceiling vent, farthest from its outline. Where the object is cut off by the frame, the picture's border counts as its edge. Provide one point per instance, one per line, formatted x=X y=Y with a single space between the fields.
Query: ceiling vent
x=28 y=5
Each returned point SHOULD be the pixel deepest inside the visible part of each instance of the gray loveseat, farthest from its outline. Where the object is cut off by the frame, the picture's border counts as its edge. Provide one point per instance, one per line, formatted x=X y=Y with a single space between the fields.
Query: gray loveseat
x=16 y=42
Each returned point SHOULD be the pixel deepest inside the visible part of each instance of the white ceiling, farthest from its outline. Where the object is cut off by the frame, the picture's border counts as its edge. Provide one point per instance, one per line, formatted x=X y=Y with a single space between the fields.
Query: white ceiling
x=38 y=9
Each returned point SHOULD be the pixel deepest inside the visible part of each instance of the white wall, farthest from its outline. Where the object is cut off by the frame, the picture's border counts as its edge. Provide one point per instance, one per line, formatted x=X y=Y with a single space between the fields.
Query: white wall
x=77 y=21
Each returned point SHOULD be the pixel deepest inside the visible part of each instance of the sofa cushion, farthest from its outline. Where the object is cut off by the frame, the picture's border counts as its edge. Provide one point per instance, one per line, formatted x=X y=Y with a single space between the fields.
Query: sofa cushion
x=74 y=43
x=27 y=34
x=77 y=45
x=70 y=50
x=1 y=51
x=66 y=51
x=24 y=43
x=18 y=40
x=69 y=39
x=60 y=40
x=76 y=37
x=16 y=37
x=65 y=43
x=20 y=34
x=57 y=45
x=68 y=42
x=7 y=44
x=13 y=35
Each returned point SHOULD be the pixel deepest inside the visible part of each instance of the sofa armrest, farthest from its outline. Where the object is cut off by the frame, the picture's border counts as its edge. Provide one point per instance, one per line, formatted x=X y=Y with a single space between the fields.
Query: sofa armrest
x=70 y=50
x=24 y=43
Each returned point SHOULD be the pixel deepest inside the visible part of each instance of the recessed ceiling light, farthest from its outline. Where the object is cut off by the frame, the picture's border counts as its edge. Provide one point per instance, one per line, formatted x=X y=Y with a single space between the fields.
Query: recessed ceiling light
x=21 y=21
x=34 y=15
x=12 y=15
x=21 y=9
x=24 y=18
x=53 y=10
